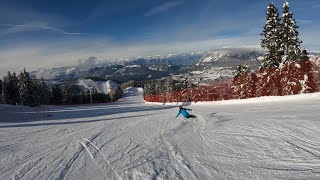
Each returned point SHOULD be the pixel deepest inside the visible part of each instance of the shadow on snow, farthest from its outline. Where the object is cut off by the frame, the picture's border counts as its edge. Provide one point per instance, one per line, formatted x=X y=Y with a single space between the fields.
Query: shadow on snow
x=67 y=114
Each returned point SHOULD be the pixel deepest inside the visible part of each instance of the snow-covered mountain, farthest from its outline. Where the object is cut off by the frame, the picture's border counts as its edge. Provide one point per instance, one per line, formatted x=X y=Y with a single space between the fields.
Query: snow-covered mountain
x=173 y=59
x=232 y=56
x=100 y=86
x=207 y=65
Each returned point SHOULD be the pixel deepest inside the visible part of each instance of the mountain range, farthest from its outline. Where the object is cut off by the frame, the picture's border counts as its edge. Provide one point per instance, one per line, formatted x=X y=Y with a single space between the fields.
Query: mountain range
x=203 y=66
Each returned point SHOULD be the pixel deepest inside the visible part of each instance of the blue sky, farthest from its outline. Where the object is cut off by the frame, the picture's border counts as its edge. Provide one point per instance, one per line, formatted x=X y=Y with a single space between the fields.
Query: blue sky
x=45 y=33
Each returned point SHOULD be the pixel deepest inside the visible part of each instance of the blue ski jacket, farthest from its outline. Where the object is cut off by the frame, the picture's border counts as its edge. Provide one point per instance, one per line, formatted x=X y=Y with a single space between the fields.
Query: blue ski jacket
x=184 y=112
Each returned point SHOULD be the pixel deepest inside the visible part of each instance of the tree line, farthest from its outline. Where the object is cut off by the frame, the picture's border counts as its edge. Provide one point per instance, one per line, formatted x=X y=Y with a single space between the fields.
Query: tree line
x=165 y=85
x=27 y=91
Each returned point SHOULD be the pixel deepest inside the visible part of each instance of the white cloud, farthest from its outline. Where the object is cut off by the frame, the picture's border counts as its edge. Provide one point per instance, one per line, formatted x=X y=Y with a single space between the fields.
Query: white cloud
x=304 y=21
x=51 y=54
x=32 y=26
x=162 y=8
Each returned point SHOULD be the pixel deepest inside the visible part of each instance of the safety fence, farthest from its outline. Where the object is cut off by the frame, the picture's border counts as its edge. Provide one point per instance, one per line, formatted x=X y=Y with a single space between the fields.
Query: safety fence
x=291 y=78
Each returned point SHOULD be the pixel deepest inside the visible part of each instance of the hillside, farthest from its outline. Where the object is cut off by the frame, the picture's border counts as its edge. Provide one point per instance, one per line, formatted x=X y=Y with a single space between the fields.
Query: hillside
x=271 y=138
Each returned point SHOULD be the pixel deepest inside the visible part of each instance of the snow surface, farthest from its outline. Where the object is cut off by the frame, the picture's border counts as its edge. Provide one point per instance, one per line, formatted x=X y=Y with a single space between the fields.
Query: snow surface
x=100 y=86
x=265 y=138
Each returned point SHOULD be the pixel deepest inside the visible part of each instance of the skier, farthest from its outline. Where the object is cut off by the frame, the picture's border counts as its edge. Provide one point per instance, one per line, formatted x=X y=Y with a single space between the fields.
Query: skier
x=184 y=112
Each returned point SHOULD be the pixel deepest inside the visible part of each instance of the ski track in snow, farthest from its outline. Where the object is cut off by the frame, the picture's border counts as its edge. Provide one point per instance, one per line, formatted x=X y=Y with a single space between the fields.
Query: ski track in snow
x=132 y=140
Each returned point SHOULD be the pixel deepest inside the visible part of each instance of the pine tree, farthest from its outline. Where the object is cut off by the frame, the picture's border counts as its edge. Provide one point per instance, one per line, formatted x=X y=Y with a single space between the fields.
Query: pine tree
x=10 y=89
x=67 y=95
x=56 y=94
x=87 y=96
x=290 y=43
x=1 y=100
x=94 y=95
x=36 y=92
x=15 y=90
x=43 y=92
x=5 y=89
x=27 y=90
x=116 y=93
x=304 y=55
x=270 y=39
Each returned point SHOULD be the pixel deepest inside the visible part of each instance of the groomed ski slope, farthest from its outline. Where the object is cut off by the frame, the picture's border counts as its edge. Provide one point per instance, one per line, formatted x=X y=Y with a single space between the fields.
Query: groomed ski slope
x=277 y=138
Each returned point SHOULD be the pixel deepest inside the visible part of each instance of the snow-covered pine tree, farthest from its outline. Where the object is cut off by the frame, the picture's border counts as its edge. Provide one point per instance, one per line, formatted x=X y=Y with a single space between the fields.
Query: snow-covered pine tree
x=169 y=85
x=27 y=90
x=270 y=40
x=240 y=70
x=149 y=88
x=290 y=43
x=186 y=82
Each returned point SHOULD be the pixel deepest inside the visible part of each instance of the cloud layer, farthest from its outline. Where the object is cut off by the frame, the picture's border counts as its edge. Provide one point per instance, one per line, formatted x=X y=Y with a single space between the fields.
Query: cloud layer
x=56 y=54
x=163 y=7
x=50 y=35
x=32 y=26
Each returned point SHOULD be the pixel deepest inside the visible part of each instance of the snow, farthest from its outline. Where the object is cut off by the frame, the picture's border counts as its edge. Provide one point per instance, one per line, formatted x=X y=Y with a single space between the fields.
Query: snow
x=207 y=74
x=256 y=100
x=3 y=106
x=10 y=113
x=212 y=58
x=157 y=68
x=100 y=86
x=303 y=83
x=226 y=53
x=315 y=59
x=133 y=66
x=71 y=70
x=261 y=138
x=260 y=58
x=197 y=72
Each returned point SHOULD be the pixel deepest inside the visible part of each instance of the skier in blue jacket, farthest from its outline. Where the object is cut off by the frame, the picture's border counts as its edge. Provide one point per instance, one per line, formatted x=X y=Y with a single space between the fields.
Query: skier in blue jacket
x=184 y=112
